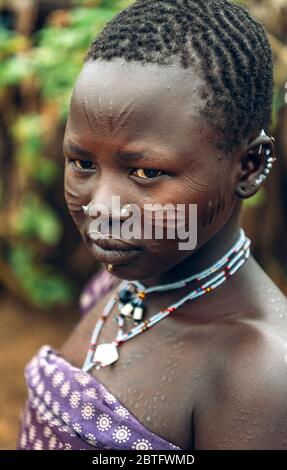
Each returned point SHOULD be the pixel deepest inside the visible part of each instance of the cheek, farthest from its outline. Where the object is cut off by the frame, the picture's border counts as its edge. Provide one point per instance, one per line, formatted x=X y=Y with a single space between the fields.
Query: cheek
x=76 y=196
x=215 y=208
x=209 y=190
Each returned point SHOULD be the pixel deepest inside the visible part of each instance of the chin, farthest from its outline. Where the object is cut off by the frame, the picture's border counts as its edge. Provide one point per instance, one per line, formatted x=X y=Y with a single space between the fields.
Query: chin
x=129 y=271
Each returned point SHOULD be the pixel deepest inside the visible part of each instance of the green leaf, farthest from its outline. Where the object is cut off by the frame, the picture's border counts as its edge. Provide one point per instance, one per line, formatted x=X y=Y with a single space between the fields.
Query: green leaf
x=45 y=287
x=257 y=200
x=37 y=220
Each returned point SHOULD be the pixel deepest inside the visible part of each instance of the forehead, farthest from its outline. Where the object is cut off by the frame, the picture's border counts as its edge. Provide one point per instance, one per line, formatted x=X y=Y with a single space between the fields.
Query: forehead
x=120 y=101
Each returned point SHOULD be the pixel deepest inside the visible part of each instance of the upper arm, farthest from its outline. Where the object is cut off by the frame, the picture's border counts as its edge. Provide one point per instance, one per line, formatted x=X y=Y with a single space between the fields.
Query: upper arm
x=247 y=407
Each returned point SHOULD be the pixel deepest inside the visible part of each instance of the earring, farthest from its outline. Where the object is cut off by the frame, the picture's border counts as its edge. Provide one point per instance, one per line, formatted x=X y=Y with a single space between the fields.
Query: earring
x=110 y=268
x=241 y=191
x=86 y=209
x=269 y=160
x=126 y=209
x=244 y=189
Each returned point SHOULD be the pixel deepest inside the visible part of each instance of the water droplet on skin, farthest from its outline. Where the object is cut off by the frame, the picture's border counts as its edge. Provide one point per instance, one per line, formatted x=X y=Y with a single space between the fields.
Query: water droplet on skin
x=281 y=315
x=162 y=397
x=148 y=418
x=272 y=300
x=164 y=377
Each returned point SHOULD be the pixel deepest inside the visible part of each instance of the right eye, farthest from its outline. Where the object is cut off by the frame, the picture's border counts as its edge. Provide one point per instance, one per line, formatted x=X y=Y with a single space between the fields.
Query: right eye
x=82 y=164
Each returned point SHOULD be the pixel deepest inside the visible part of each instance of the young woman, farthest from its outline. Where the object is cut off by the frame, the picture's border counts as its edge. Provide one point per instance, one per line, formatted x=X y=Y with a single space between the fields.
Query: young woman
x=172 y=106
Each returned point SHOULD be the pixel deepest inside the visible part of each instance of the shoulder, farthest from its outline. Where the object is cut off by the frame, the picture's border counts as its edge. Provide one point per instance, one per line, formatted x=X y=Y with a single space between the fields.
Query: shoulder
x=246 y=406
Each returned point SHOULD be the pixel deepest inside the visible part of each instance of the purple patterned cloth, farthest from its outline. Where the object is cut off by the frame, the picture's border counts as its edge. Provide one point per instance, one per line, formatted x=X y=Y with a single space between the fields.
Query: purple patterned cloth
x=96 y=288
x=68 y=409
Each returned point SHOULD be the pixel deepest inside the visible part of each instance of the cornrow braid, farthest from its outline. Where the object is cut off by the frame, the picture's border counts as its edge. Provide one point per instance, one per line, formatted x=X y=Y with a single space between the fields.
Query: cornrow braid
x=229 y=48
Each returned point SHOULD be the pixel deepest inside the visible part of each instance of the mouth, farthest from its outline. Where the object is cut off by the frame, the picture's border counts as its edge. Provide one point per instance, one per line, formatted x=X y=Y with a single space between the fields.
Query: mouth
x=112 y=251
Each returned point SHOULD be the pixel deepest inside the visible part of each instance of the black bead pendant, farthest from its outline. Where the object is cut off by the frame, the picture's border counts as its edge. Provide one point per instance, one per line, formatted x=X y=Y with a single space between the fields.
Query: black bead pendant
x=137 y=302
x=124 y=295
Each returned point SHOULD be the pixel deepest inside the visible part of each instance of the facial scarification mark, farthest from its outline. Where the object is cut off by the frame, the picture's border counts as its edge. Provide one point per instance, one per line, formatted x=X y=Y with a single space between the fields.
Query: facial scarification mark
x=223 y=198
x=94 y=116
x=101 y=114
x=114 y=122
x=110 y=116
x=73 y=201
x=214 y=208
x=69 y=192
x=73 y=208
x=212 y=212
x=207 y=214
x=87 y=114
x=195 y=185
x=123 y=116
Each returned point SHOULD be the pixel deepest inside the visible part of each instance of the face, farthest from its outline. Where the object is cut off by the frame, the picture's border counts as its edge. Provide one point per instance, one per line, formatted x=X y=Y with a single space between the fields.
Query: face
x=135 y=132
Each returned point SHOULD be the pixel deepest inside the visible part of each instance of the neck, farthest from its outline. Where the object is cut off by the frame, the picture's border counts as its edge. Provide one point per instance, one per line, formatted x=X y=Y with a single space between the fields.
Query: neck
x=206 y=255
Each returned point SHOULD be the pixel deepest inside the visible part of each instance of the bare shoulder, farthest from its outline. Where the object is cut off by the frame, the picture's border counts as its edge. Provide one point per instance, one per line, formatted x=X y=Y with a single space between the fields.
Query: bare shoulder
x=246 y=406
x=75 y=347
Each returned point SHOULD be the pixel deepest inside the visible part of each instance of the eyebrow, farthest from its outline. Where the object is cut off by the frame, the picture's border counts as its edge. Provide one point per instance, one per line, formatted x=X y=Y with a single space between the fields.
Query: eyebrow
x=70 y=147
x=76 y=150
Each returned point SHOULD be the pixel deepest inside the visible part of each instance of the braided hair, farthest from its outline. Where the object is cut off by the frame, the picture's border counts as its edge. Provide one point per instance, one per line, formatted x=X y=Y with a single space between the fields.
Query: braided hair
x=228 y=47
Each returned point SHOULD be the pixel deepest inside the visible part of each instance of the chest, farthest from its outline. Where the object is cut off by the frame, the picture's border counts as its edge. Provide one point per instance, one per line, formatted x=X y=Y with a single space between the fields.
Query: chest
x=156 y=378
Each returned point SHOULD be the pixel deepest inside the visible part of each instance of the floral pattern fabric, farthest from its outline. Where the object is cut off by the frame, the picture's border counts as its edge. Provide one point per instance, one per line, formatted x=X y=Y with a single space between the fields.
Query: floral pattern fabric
x=69 y=409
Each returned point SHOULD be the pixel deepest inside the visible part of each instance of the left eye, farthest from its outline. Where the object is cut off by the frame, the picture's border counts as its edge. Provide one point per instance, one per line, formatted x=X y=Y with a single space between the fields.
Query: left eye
x=146 y=173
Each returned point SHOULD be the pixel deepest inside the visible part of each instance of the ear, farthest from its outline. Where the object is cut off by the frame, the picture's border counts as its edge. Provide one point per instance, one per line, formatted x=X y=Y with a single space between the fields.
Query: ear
x=255 y=163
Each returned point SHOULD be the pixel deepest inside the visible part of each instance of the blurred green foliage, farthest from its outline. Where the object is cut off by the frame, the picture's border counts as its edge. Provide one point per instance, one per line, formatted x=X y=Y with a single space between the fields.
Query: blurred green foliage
x=48 y=62
x=56 y=54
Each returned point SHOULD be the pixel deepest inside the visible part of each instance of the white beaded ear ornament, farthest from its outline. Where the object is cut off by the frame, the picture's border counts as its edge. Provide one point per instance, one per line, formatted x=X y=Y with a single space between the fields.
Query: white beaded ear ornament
x=269 y=161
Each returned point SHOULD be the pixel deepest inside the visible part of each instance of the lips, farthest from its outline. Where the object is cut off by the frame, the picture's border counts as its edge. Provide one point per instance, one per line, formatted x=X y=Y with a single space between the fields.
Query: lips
x=108 y=250
x=112 y=244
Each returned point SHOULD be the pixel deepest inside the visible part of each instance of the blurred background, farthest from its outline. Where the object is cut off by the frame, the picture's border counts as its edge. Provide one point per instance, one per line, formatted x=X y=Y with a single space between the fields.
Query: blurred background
x=43 y=263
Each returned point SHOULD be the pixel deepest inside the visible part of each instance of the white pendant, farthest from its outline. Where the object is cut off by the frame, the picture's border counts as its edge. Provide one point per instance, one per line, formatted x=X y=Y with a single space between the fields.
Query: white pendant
x=138 y=313
x=127 y=309
x=106 y=354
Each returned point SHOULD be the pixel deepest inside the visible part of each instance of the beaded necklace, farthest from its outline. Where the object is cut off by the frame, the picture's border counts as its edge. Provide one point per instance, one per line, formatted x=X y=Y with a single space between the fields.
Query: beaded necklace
x=106 y=354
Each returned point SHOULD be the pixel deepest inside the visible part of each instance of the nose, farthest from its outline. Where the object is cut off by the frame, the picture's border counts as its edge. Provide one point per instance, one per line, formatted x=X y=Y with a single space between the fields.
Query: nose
x=107 y=204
